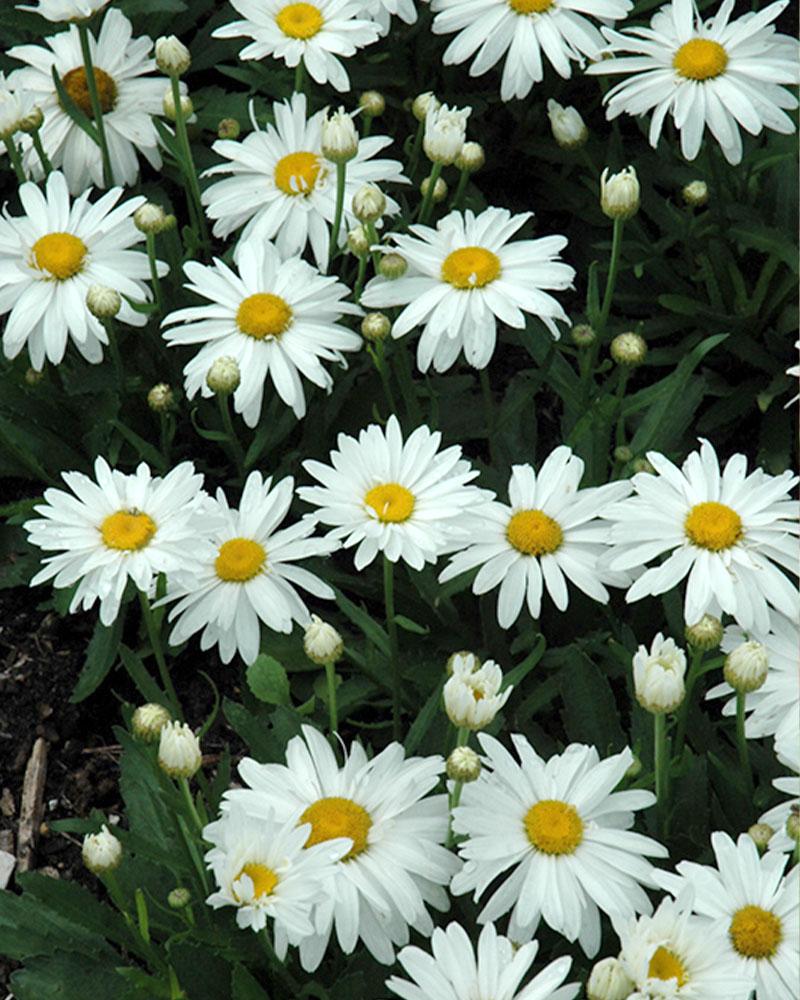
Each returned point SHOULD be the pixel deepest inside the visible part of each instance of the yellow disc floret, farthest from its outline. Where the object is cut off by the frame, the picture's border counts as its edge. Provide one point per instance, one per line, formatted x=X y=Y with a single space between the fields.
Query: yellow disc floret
x=297 y=173
x=755 y=933
x=700 y=59
x=554 y=827
x=127 y=530
x=713 y=526
x=60 y=254
x=665 y=965
x=338 y=817
x=392 y=502
x=299 y=20
x=263 y=878
x=263 y=315
x=76 y=85
x=530 y=6
x=239 y=560
x=534 y=533
x=470 y=267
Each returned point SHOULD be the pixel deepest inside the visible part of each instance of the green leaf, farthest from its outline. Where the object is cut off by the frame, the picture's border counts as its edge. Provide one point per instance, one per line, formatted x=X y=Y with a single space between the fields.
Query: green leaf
x=518 y=674
x=590 y=712
x=137 y=671
x=411 y=626
x=144 y=449
x=244 y=987
x=424 y=720
x=593 y=294
x=267 y=679
x=100 y=657
x=68 y=976
x=358 y=616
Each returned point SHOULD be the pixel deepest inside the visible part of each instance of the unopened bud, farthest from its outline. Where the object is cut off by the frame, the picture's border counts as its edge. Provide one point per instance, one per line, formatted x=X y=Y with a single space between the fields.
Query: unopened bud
x=369 y=203
x=187 y=108
x=102 y=302
x=229 y=128
x=101 y=852
x=372 y=103
x=695 y=194
x=392 y=266
x=643 y=464
x=224 y=376
x=471 y=158
x=761 y=834
x=422 y=102
x=569 y=129
x=705 y=634
x=634 y=768
x=339 y=137
x=628 y=349
x=439 y=189
x=178 y=898
x=161 y=398
x=375 y=326
x=746 y=667
x=623 y=454
x=620 y=193
x=179 y=750
x=148 y=720
x=32 y=377
x=463 y=765
x=608 y=980
x=358 y=241
x=172 y=56
x=793 y=825
x=322 y=643
x=149 y=218
x=32 y=121
x=583 y=335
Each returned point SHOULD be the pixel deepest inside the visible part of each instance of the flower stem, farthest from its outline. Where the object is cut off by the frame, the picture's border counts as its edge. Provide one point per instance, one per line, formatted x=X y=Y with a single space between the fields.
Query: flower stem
x=113 y=349
x=661 y=763
x=300 y=78
x=455 y=795
x=94 y=100
x=233 y=437
x=16 y=159
x=158 y=652
x=415 y=150
x=341 y=177
x=488 y=404
x=460 y=189
x=378 y=355
x=188 y=160
x=391 y=628
x=427 y=200
x=611 y=280
x=362 y=273
x=741 y=739
x=330 y=677
x=44 y=159
x=187 y=798
x=151 y=256
x=683 y=712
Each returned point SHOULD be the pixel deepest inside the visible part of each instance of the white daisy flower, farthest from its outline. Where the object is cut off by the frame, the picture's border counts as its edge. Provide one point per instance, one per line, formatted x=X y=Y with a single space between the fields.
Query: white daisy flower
x=284 y=188
x=315 y=33
x=263 y=868
x=278 y=319
x=658 y=675
x=463 y=276
x=719 y=73
x=247 y=573
x=565 y=833
x=472 y=695
x=778 y=816
x=527 y=30
x=51 y=257
x=729 y=532
x=547 y=535
x=676 y=956
x=15 y=106
x=493 y=971
x=128 y=99
x=382 y=11
x=66 y=10
x=396 y=865
x=405 y=499
x=117 y=528
x=748 y=898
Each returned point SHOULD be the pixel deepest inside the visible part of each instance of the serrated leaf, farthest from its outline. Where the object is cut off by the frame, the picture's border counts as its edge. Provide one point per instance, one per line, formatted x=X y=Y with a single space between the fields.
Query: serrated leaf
x=101 y=656
x=268 y=681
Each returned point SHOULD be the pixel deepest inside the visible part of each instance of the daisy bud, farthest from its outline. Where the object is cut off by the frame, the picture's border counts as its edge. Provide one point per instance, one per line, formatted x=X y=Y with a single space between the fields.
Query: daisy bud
x=339 y=137
x=445 y=129
x=229 y=128
x=643 y=465
x=375 y=326
x=372 y=103
x=569 y=129
x=439 y=189
x=746 y=667
x=32 y=121
x=470 y=659
x=358 y=241
x=178 y=898
x=761 y=834
x=101 y=852
x=392 y=266
x=619 y=193
x=628 y=349
x=471 y=158
x=623 y=454
x=148 y=721
x=172 y=56
x=161 y=398
x=149 y=218
x=422 y=102
x=369 y=203
x=583 y=335
x=658 y=675
x=634 y=768
x=322 y=643
x=695 y=194
x=167 y=223
x=223 y=376
x=608 y=980
x=32 y=377
x=168 y=105
x=705 y=634
x=472 y=697
x=179 y=750
x=793 y=825
x=102 y=302
x=463 y=765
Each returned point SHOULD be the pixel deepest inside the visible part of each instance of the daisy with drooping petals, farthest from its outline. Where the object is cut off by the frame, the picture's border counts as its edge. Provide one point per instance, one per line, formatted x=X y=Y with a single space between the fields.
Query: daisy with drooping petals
x=396 y=866
x=315 y=33
x=524 y=31
x=247 y=574
x=278 y=319
x=472 y=694
x=66 y=10
x=727 y=531
x=747 y=897
x=563 y=830
x=118 y=528
x=493 y=971
x=715 y=73
x=463 y=277
x=15 y=106
x=548 y=535
x=284 y=188
x=50 y=258
x=128 y=99
x=404 y=499
x=780 y=816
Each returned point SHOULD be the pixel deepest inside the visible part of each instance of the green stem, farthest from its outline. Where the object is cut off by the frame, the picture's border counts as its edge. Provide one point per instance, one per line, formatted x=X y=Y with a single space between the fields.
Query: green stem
x=362 y=273
x=158 y=653
x=488 y=405
x=661 y=764
x=189 y=800
x=330 y=677
x=142 y=916
x=695 y=669
x=624 y=373
x=300 y=78
x=94 y=100
x=115 y=892
x=16 y=159
x=44 y=159
x=461 y=187
x=341 y=177
x=405 y=378
x=427 y=200
x=188 y=160
x=367 y=129
x=233 y=437
x=413 y=162
x=379 y=358
x=455 y=795
x=291 y=987
x=391 y=628
x=151 y=256
x=175 y=991
x=113 y=350
x=611 y=281
x=741 y=740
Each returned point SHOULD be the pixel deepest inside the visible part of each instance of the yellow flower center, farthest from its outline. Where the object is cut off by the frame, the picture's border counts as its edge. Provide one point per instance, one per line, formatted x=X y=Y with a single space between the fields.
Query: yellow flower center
x=530 y=6
x=700 y=59
x=239 y=560
x=127 y=530
x=392 y=502
x=534 y=533
x=665 y=965
x=297 y=173
x=470 y=267
x=755 y=933
x=300 y=20
x=338 y=817
x=76 y=85
x=263 y=315
x=62 y=254
x=263 y=878
x=713 y=526
x=554 y=827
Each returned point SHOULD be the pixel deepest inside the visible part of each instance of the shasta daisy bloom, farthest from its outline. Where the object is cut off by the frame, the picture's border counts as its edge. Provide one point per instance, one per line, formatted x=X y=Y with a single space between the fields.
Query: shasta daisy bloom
x=284 y=188
x=51 y=257
x=727 y=531
x=247 y=573
x=747 y=897
x=493 y=971
x=550 y=533
x=117 y=528
x=66 y=10
x=780 y=815
x=472 y=695
x=524 y=31
x=263 y=868
x=564 y=832
x=405 y=499
x=315 y=33
x=278 y=319
x=396 y=865
x=15 y=107
x=128 y=98
x=463 y=276
x=717 y=74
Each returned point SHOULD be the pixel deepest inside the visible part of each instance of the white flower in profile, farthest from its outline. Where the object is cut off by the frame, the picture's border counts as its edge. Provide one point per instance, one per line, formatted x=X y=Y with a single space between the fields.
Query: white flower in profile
x=658 y=675
x=66 y=10
x=179 y=753
x=472 y=695
x=101 y=852
x=15 y=106
x=445 y=131
x=779 y=816
x=569 y=128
